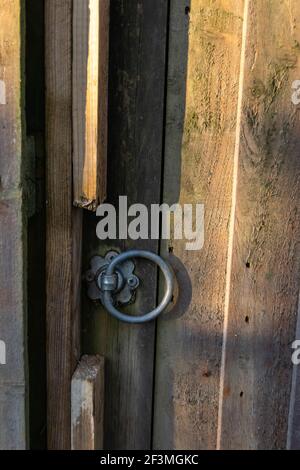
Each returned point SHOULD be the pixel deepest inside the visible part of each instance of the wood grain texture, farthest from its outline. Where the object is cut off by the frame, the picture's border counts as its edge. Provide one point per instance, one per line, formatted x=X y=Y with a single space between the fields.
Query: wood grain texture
x=88 y=404
x=136 y=109
x=265 y=270
x=12 y=95
x=63 y=251
x=199 y=149
x=90 y=90
x=13 y=302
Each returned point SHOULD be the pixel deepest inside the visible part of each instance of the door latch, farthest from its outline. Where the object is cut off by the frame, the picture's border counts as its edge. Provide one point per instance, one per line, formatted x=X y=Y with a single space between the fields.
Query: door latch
x=111 y=280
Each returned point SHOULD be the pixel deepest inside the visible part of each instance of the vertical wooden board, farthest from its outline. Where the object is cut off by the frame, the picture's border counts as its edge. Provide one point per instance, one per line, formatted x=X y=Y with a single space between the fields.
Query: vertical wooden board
x=90 y=90
x=136 y=107
x=265 y=269
x=12 y=296
x=63 y=251
x=76 y=266
x=13 y=374
x=14 y=429
x=10 y=94
x=87 y=392
x=199 y=147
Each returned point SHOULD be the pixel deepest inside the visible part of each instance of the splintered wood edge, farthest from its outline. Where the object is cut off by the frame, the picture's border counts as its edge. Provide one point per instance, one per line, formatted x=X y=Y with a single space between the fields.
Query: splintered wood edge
x=88 y=204
x=88 y=368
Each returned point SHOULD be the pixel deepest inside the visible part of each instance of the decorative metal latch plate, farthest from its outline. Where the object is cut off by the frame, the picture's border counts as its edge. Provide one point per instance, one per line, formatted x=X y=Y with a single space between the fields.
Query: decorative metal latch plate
x=112 y=281
x=124 y=282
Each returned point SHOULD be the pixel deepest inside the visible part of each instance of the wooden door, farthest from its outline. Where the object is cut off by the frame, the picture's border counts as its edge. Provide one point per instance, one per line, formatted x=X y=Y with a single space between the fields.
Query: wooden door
x=135 y=148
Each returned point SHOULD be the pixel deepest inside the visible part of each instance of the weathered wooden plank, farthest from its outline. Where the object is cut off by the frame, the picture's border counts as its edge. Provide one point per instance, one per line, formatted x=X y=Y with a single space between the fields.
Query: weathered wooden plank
x=202 y=90
x=265 y=268
x=136 y=97
x=14 y=429
x=13 y=376
x=63 y=225
x=10 y=76
x=88 y=404
x=90 y=90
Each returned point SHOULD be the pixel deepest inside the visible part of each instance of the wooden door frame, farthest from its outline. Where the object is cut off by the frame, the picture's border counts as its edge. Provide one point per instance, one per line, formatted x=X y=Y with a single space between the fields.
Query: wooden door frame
x=63 y=230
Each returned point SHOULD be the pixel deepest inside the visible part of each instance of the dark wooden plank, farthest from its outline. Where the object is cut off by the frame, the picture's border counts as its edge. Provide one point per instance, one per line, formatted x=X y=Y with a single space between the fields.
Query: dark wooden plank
x=265 y=268
x=202 y=90
x=13 y=302
x=136 y=106
x=88 y=404
x=77 y=232
x=63 y=260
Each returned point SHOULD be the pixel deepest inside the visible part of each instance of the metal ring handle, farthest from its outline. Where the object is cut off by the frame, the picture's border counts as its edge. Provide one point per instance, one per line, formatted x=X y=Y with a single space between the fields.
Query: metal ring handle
x=169 y=278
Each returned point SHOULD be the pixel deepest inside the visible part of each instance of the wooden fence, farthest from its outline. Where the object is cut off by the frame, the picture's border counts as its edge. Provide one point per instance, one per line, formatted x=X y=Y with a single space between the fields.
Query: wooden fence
x=200 y=111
